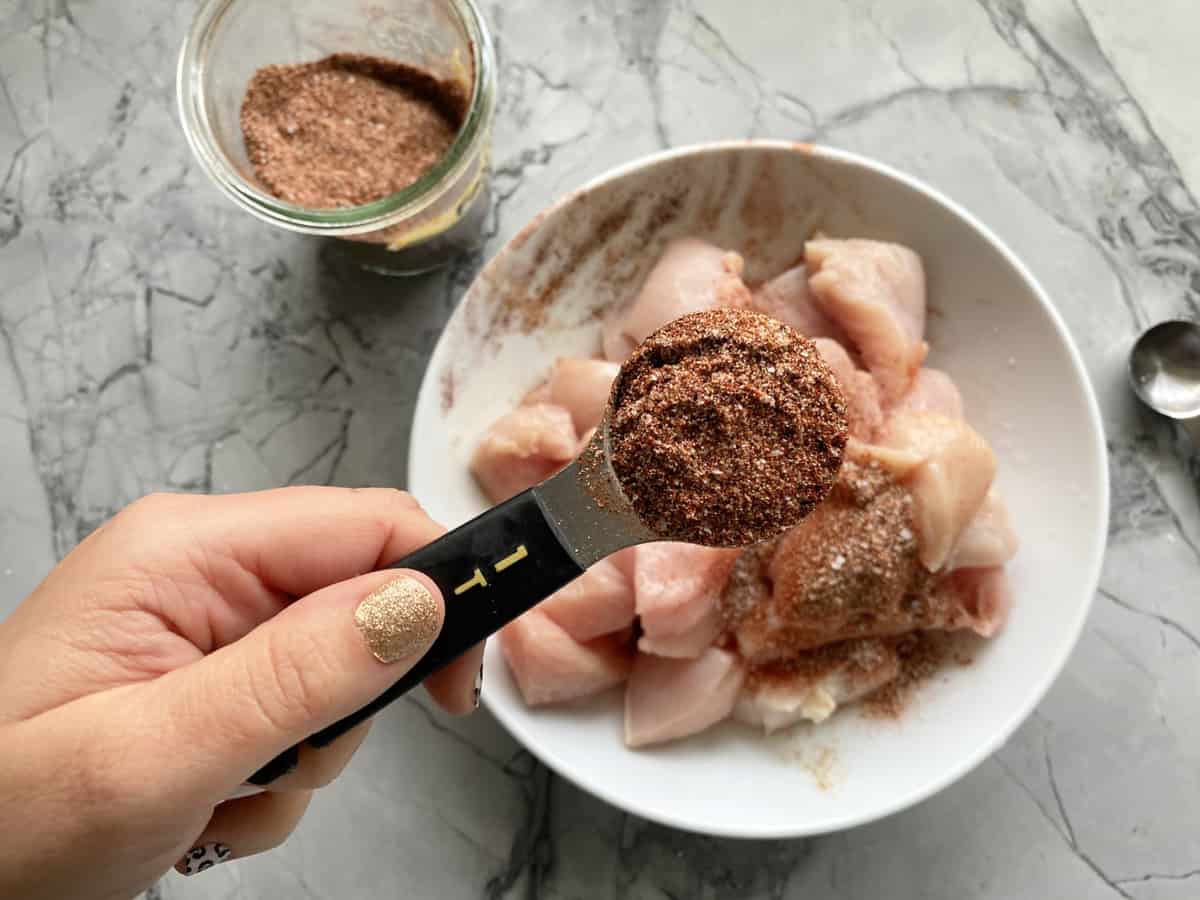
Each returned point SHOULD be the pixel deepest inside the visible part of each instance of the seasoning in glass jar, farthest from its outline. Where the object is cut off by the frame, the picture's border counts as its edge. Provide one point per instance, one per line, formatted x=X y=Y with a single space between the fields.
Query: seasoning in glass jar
x=364 y=122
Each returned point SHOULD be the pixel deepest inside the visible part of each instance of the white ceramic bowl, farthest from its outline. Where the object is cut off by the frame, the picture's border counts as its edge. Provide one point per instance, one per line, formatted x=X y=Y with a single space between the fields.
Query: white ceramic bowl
x=991 y=326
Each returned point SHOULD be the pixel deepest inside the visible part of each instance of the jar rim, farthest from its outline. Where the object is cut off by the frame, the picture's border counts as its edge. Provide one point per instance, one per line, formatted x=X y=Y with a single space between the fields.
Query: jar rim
x=191 y=97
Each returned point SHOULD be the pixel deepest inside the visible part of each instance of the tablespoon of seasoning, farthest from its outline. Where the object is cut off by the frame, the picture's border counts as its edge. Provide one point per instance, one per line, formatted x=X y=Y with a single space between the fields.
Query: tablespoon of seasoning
x=724 y=428
x=1164 y=369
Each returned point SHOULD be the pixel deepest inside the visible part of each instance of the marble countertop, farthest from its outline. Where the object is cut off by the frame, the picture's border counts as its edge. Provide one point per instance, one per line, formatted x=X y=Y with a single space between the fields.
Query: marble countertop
x=154 y=337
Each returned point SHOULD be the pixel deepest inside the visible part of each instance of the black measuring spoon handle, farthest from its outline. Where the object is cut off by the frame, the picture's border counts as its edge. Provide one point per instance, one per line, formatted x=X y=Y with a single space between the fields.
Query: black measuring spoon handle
x=489 y=570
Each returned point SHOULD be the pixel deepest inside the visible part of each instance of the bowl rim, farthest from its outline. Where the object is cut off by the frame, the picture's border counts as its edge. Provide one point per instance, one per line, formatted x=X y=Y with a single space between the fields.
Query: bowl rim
x=428 y=393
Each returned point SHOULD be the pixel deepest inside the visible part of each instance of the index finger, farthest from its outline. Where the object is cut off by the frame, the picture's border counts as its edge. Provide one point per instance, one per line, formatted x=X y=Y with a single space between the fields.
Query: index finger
x=301 y=539
x=295 y=540
x=217 y=566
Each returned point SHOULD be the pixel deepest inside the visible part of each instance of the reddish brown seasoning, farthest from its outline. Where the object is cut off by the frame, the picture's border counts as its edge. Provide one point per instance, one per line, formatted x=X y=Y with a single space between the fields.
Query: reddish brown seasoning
x=849 y=570
x=594 y=474
x=748 y=586
x=726 y=428
x=922 y=655
x=855 y=660
x=348 y=129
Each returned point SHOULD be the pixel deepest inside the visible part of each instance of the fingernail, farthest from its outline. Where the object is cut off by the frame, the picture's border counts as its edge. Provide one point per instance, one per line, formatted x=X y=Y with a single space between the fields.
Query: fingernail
x=203 y=857
x=478 y=685
x=397 y=619
x=249 y=789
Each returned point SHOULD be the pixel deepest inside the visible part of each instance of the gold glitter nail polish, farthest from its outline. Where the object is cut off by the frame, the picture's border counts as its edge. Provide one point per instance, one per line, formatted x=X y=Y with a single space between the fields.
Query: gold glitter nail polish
x=398 y=619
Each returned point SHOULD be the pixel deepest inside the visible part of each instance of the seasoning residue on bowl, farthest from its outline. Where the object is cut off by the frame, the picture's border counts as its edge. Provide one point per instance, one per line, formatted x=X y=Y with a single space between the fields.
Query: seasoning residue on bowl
x=726 y=428
x=348 y=129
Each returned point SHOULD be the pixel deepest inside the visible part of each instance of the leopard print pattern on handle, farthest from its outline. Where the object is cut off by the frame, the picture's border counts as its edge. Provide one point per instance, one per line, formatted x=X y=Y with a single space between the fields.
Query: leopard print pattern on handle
x=203 y=857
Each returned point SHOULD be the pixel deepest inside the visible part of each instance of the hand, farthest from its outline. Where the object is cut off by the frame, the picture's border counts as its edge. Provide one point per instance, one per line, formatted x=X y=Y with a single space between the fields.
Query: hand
x=178 y=649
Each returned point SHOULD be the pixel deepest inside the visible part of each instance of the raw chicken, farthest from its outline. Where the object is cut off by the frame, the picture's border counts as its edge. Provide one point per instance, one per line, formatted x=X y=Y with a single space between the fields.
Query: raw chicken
x=550 y=666
x=988 y=540
x=538 y=396
x=897 y=462
x=876 y=293
x=932 y=391
x=600 y=601
x=615 y=344
x=787 y=298
x=580 y=386
x=522 y=449
x=949 y=485
x=748 y=587
x=912 y=538
x=849 y=570
x=690 y=276
x=672 y=698
x=981 y=599
x=858 y=387
x=689 y=643
x=813 y=685
x=810 y=593
x=676 y=586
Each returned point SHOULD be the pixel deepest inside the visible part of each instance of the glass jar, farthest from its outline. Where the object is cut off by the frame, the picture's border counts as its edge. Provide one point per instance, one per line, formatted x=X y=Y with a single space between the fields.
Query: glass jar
x=414 y=230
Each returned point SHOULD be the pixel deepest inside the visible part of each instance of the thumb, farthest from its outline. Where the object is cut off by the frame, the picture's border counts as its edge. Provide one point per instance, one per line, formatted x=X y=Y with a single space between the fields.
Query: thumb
x=324 y=657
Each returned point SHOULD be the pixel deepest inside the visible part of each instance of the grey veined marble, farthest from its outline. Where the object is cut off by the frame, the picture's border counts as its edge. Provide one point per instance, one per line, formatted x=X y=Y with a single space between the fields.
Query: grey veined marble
x=152 y=336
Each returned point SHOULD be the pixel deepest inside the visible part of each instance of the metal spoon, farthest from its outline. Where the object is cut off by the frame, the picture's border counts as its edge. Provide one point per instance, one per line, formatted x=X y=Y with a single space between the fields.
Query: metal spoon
x=505 y=561
x=1164 y=369
x=511 y=557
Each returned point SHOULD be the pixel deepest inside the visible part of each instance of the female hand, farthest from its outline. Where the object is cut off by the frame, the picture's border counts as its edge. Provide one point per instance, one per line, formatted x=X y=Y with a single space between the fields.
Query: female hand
x=178 y=649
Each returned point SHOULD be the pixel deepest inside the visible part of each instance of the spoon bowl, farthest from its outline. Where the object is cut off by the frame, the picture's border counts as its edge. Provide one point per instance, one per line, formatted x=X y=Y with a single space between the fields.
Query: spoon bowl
x=1164 y=369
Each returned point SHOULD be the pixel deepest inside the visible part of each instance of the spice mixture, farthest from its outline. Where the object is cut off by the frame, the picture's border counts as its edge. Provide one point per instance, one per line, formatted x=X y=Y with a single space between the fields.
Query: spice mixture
x=849 y=570
x=348 y=129
x=856 y=658
x=922 y=655
x=726 y=427
x=852 y=566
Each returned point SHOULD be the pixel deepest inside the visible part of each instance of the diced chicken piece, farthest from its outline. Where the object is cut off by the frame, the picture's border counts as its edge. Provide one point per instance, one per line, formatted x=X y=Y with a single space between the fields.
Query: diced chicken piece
x=687 y=644
x=948 y=487
x=932 y=391
x=813 y=685
x=600 y=601
x=849 y=570
x=690 y=276
x=876 y=292
x=539 y=395
x=988 y=540
x=522 y=449
x=747 y=587
x=787 y=298
x=813 y=592
x=673 y=698
x=981 y=598
x=580 y=386
x=614 y=342
x=550 y=666
x=858 y=387
x=853 y=568
x=676 y=586
x=896 y=462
